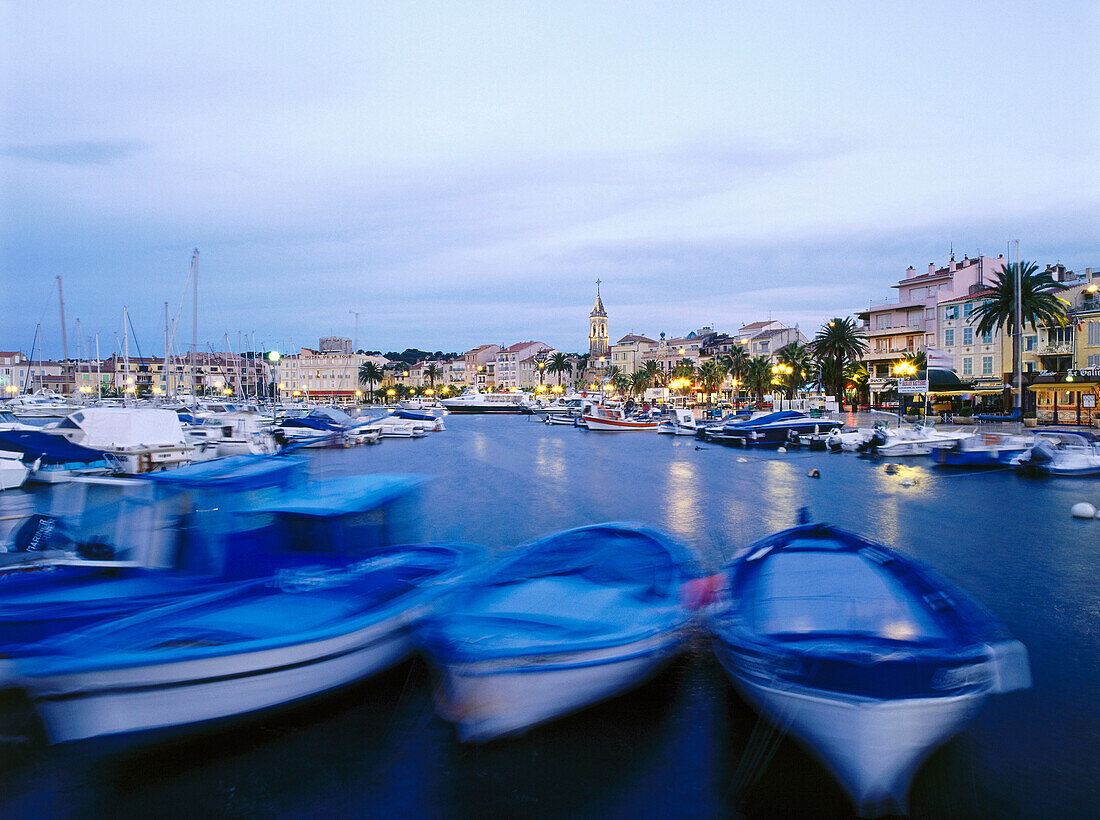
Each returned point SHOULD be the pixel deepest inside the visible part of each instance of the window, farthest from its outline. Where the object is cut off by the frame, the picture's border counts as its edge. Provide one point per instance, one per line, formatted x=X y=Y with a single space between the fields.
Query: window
x=968 y=308
x=968 y=335
x=1094 y=334
x=1030 y=342
x=987 y=337
x=987 y=365
x=968 y=366
x=949 y=337
x=930 y=313
x=1094 y=360
x=884 y=321
x=951 y=312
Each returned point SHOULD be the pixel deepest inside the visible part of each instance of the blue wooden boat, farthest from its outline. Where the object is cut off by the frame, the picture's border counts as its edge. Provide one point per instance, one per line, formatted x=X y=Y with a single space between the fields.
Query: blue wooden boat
x=260 y=526
x=558 y=624
x=866 y=656
x=239 y=650
x=139 y=550
x=982 y=450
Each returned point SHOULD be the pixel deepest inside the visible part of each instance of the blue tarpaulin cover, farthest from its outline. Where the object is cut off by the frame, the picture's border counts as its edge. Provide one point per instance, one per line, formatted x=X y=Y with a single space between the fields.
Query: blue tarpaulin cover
x=50 y=447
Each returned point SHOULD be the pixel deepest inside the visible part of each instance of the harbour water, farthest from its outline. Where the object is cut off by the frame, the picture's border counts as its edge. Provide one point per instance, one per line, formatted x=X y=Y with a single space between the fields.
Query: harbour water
x=683 y=745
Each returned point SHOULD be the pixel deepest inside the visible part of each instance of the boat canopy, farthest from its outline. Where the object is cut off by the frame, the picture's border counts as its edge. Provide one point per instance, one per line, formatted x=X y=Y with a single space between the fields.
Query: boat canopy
x=51 y=448
x=114 y=427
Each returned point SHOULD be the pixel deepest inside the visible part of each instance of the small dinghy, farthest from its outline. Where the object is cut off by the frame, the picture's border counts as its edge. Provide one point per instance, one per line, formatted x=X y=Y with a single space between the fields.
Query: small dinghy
x=254 y=646
x=864 y=655
x=559 y=624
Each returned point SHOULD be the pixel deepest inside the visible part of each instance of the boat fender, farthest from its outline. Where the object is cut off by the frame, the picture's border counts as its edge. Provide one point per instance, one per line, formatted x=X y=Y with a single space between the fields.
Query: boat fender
x=700 y=592
x=781 y=450
x=742 y=460
x=814 y=473
x=907 y=482
x=890 y=468
x=1083 y=509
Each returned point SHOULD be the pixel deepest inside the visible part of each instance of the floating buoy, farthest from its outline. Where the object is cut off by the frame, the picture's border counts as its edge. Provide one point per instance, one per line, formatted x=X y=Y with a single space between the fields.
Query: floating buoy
x=742 y=459
x=891 y=468
x=906 y=482
x=781 y=450
x=1083 y=509
x=814 y=473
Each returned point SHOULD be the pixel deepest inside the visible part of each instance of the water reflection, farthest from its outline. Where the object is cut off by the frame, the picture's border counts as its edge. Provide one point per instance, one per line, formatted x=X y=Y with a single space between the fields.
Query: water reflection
x=682 y=514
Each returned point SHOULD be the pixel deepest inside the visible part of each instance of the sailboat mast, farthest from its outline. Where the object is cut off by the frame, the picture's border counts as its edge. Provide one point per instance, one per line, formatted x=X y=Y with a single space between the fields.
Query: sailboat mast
x=98 y=377
x=125 y=355
x=64 y=335
x=194 y=315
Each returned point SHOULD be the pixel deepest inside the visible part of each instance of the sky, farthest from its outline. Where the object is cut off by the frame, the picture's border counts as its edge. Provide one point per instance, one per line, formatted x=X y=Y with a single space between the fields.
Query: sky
x=462 y=173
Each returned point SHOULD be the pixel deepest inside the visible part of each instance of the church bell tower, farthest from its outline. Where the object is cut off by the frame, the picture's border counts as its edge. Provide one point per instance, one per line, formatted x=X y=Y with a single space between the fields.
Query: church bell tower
x=597 y=332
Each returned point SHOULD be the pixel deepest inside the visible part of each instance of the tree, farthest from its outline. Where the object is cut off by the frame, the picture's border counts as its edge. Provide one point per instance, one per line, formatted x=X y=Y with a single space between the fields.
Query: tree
x=559 y=363
x=622 y=382
x=711 y=375
x=860 y=378
x=797 y=358
x=1038 y=303
x=734 y=364
x=655 y=373
x=370 y=374
x=837 y=346
x=612 y=373
x=758 y=376
x=433 y=372
x=640 y=381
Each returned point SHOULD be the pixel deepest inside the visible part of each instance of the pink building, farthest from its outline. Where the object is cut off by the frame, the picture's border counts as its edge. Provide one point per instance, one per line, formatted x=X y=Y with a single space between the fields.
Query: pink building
x=907 y=324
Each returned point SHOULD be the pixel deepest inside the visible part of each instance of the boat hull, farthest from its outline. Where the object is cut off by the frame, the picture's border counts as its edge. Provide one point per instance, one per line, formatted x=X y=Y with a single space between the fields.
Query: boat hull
x=619 y=425
x=872 y=747
x=496 y=698
x=137 y=699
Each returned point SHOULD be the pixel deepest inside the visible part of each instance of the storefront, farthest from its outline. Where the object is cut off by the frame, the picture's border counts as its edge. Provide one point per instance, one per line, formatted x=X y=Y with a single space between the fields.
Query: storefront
x=1069 y=397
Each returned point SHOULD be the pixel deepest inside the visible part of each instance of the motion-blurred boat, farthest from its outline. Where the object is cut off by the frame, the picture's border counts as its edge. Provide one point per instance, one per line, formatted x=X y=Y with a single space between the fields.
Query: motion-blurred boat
x=1061 y=452
x=557 y=625
x=982 y=450
x=864 y=655
x=474 y=401
x=253 y=646
x=135 y=439
x=13 y=472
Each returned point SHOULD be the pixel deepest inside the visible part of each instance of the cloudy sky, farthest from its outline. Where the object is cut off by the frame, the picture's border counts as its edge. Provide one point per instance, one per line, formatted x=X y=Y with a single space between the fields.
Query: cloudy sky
x=462 y=173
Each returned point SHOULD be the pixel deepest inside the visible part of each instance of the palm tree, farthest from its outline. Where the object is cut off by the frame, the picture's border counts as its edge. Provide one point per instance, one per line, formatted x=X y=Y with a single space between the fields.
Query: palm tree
x=558 y=363
x=639 y=381
x=919 y=360
x=656 y=375
x=860 y=377
x=612 y=373
x=370 y=374
x=758 y=376
x=433 y=372
x=734 y=364
x=1037 y=302
x=837 y=346
x=797 y=358
x=710 y=376
x=621 y=382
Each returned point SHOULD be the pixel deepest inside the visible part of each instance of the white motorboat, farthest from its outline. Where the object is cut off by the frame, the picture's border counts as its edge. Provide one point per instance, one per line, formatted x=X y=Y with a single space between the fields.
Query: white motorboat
x=233 y=434
x=1062 y=452
x=136 y=439
x=429 y=406
x=41 y=404
x=13 y=472
x=474 y=401
x=682 y=423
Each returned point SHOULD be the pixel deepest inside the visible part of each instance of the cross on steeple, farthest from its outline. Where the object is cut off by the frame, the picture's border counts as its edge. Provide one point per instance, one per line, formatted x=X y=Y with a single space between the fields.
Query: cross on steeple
x=597 y=287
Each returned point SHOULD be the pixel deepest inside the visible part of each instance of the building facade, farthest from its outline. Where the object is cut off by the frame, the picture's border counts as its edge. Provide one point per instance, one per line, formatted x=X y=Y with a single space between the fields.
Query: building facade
x=598 y=348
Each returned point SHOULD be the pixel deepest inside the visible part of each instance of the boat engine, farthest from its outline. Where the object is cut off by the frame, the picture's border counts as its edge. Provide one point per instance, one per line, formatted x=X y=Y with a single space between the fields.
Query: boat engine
x=871 y=445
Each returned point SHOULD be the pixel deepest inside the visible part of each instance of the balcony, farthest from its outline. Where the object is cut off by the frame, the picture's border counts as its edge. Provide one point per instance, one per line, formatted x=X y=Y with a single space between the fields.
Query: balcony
x=1064 y=349
x=898 y=329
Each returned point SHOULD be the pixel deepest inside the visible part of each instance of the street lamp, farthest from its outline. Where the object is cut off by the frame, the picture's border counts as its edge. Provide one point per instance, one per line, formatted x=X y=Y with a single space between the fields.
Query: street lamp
x=901 y=370
x=273 y=357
